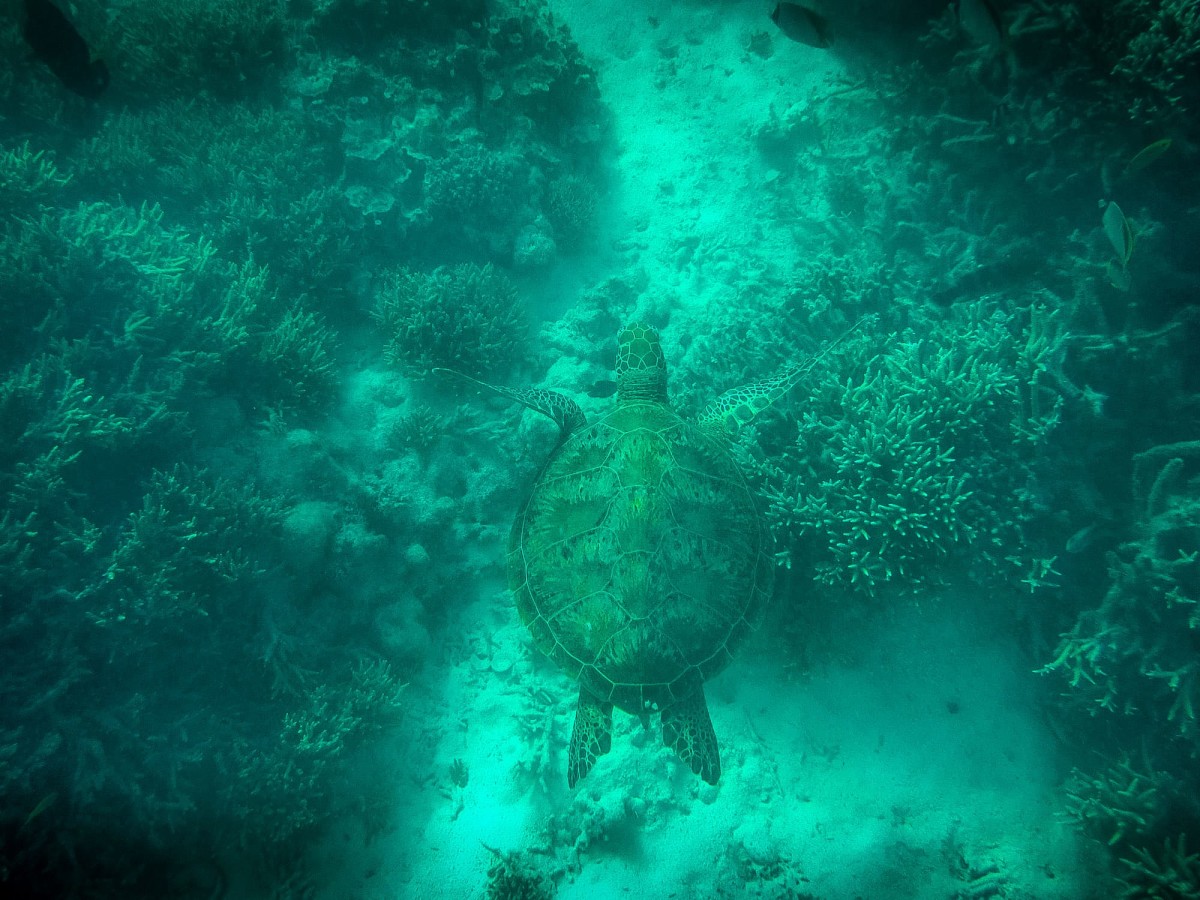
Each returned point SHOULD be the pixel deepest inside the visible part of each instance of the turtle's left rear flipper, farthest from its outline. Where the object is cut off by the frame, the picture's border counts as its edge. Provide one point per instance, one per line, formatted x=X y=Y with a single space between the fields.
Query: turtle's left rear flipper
x=591 y=737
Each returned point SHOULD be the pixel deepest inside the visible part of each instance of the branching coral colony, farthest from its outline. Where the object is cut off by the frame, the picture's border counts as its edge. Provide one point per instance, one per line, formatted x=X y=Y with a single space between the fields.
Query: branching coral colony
x=1138 y=651
x=140 y=336
x=463 y=317
x=961 y=228
x=919 y=453
x=117 y=565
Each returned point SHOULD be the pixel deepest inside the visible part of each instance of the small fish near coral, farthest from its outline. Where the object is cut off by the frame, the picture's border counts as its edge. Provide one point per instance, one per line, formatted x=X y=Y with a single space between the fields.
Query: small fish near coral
x=57 y=43
x=982 y=20
x=801 y=24
x=1147 y=155
x=604 y=387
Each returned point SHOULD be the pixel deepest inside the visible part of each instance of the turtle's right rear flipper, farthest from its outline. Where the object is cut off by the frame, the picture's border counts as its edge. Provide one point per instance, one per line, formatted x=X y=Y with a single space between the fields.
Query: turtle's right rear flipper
x=563 y=410
x=687 y=729
x=591 y=737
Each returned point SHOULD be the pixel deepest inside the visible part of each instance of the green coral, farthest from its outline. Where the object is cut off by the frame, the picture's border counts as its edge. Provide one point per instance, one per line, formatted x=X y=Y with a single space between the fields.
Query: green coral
x=571 y=205
x=180 y=551
x=28 y=174
x=181 y=152
x=142 y=295
x=120 y=568
x=1170 y=874
x=420 y=430
x=90 y=621
x=1157 y=54
x=918 y=455
x=475 y=189
x=1122 y=805
x=220 y=46
x=295 y=356
x=513 y=876
x=1137 y=651
x=285 y=785
x=462 y=317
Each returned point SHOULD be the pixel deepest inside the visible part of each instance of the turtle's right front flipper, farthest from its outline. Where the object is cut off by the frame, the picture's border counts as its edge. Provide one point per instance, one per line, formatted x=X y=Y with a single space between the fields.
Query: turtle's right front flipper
x=739 y=406
x=563 y=410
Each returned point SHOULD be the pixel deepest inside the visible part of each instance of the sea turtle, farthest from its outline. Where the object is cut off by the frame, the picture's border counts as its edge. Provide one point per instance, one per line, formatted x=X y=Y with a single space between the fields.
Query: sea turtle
x=639 y=561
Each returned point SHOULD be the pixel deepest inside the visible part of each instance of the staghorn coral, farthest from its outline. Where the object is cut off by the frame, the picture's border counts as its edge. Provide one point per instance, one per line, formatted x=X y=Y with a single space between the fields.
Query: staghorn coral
x=419 y=430
x=132 y=291
x=1136 y=653
x=100 y=619
x=221 y=46
x=295 y=357
x=189 y=577
x=284 y=784
x=120 y=557
x=241 y=174
x=475 y=195
x=463 y=317
x=178 y=551
x=29 y=175
x=1154 y=53
x=919 y=456
x=1172 y=874
x=1121 y=805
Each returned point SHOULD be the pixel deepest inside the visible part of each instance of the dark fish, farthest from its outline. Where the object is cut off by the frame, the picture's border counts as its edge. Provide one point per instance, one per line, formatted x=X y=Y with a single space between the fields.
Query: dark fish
x=56 y=42
x=801 y=24
x=981 y=19
x=602 y=388
x=1082 y=539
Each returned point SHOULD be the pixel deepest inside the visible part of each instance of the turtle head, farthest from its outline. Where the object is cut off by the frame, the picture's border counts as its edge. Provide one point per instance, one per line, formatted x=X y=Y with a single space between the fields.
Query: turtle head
x=641 y=366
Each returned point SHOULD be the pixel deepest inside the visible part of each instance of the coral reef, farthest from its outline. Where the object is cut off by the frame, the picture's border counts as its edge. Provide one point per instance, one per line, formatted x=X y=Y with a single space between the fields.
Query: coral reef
x=1136 y=652
x=474 y=196
x=513 y=876
x=123 y=283
x=1139 y=814
x=1172 y=872
x=451 y=120
x=1121 y=805
x=146 y=616
x=200 y=566
x=28 y=175
x=221 y=46
x=1153 y=50
x=899 y=468
x=571 y=203
x=462 y=317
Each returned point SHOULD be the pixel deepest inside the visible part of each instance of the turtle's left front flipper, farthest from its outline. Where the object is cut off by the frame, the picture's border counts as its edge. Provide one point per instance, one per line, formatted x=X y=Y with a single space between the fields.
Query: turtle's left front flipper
x=563 y=410
x=687 y=729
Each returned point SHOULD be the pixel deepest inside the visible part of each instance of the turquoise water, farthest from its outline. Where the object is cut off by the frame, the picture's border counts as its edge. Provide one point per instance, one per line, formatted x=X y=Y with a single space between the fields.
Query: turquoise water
x=257 y=627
